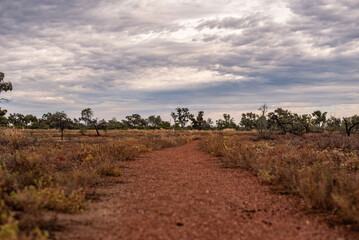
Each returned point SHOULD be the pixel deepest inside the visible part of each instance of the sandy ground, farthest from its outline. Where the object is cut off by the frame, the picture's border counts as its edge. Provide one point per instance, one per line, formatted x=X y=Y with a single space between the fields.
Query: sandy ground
x=183 y=193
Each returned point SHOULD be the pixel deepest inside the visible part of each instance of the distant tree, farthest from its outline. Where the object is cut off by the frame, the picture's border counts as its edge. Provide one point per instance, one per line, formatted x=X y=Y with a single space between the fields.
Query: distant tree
x=3 y=120
x=262 y=123
x=263 y=109
x=17 y=120
x=181 y=116
x=199 y=122
x=208 y=124
x=154 y=122
x=305 y=120
x=334 y=124
x=135 y=121
x=45 y=120
x=115 y=124
x=249 y=121
x=77 y=124
x=103 y=124
x=228 y=122
x=252 y=120
x=59 y=120
x=87 y=117
x=30 y=119
x=351 y=124
x=285 y=121
x=319 y=119
x=4 y=86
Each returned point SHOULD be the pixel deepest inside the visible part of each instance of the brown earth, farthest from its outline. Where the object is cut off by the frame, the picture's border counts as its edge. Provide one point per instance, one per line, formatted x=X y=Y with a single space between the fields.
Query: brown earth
x=183 y=193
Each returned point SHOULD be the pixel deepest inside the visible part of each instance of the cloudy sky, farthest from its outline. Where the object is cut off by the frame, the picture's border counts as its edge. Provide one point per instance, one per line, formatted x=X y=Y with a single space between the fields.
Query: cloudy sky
x=151 y=56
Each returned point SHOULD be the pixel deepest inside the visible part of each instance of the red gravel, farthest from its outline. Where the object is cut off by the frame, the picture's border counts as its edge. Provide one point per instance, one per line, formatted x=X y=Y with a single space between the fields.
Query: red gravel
x=183 y=193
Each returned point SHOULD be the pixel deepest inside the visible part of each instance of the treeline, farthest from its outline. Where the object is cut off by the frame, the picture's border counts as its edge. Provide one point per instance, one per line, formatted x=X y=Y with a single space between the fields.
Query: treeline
x=284 y=121
x=279 y=121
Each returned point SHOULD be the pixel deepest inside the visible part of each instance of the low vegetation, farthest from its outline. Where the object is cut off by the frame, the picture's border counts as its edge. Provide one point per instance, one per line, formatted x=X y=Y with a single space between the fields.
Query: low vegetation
x=321 y=168
x=41 y=175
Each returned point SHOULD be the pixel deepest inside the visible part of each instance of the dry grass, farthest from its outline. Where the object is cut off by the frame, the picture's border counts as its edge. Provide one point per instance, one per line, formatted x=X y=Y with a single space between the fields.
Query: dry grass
x=322 y=168
x=40 y=174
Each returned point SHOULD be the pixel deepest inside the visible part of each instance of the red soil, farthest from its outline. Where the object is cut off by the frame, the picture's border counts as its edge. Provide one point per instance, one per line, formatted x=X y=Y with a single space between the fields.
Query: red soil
x=183 y=193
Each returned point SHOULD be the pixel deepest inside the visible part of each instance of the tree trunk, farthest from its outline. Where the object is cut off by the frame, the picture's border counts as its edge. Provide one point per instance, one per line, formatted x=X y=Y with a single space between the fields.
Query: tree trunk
x=349 y=129
x=98 y=134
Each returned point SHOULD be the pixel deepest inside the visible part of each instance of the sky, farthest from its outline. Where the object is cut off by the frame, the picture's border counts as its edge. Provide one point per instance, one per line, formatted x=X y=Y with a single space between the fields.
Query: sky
x=151 y=56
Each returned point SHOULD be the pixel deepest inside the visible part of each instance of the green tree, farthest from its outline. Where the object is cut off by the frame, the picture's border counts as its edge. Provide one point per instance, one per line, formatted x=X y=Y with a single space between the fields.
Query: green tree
x=305 y=120
x=135 y=121
x=3 y=120
x=199 y=122
x=285 y=121
x=249 y=121
x=87 y=117
x=351 y=124
x=59 y=120
x=4 y=86
x=252 y=120
x=30 y=120
x=334 y=124
x=181 y=116
x=154 y=122
x=115 y=124
x=17 y=120
x=319 y=119
x=227 y=122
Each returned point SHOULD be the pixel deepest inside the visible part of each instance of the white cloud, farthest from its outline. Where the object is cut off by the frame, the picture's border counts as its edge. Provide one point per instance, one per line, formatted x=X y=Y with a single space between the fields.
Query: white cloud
x=158 y=54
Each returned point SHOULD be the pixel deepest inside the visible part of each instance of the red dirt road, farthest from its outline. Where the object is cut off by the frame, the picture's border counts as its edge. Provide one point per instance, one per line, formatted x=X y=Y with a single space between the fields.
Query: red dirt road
x=183 y=193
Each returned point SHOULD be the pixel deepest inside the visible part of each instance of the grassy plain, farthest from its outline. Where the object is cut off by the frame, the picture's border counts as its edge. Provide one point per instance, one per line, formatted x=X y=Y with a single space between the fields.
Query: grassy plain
x=321 y=168
x=40 y=175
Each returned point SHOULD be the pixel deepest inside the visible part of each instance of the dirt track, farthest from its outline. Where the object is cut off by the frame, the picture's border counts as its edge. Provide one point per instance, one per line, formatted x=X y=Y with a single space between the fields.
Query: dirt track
x=183 y=193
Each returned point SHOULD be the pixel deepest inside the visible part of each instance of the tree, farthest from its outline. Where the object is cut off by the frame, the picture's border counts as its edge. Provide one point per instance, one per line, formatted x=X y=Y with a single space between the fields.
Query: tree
x=135 y=121
x=285 y=121
x=3 y=120
x=87 y=117
x=319 y=119
x=59 y=120
x=154 y=122
x=181 y=116
x=228 y=122
x=263 y=109
x=306 y=120
x=334 y=124
x=30 y=119
x=45 y=121
x=4 y=86
x=199 y=123
x=114 y=124
x=249 y=121
x=17 y=120
x=252 y=121
x=351 y=124
x=103 y=124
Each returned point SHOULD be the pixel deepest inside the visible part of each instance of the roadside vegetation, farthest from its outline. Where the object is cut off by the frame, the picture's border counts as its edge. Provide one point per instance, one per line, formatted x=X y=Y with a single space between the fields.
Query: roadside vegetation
x=40 y=175
x=322 y=168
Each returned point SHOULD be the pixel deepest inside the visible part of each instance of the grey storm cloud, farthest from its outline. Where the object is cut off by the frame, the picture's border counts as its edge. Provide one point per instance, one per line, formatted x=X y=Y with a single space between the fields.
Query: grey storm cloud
x=147 y=56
